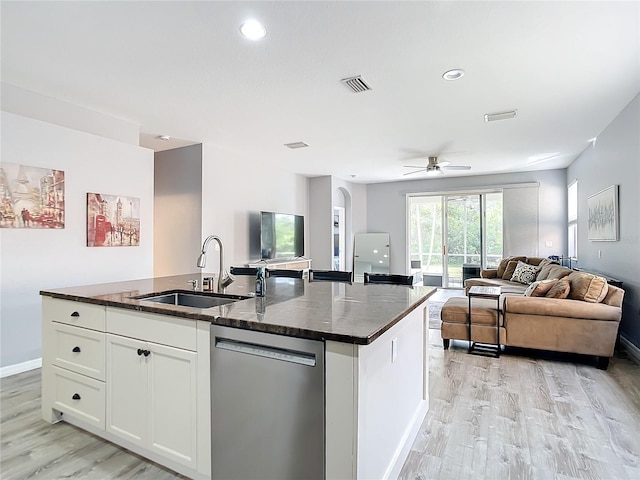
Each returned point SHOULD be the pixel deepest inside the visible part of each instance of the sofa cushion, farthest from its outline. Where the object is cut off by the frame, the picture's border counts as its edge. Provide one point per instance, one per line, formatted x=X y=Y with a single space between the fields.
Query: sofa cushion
x=587 y=287
x=558 y=308
x=537 y=261
x=524 y=273
x=540 y=288
x=511 y=267
x=560 y=289
x=504 y=262
x=553 y=270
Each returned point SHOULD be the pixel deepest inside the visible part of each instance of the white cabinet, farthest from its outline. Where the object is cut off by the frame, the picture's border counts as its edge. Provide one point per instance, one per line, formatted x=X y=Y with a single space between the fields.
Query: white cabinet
x=73 y=362
x=137 y=379
x=151 y=397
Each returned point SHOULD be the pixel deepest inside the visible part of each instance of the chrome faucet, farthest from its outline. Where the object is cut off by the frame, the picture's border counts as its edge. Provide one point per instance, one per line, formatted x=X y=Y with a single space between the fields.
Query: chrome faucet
x=224 y=278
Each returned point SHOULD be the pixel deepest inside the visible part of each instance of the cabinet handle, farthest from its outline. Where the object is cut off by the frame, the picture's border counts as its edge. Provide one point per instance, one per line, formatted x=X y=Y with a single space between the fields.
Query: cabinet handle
x=76 y=396
x=146 y=353
x=75 y=314
x=76 y=350
x=140 y=351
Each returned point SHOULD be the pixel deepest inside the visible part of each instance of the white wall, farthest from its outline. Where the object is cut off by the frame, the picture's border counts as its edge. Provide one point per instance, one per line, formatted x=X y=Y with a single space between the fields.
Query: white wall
x=614 y=160
x=386 y=211
x=177 y=220
x=35 y=259
x=233 y=190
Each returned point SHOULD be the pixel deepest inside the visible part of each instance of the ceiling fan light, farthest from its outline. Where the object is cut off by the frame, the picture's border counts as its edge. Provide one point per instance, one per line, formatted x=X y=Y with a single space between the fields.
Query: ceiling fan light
x=434 y=172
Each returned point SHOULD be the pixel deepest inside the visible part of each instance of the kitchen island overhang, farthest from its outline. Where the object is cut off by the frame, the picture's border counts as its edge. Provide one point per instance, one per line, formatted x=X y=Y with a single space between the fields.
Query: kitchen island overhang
x=376 y=357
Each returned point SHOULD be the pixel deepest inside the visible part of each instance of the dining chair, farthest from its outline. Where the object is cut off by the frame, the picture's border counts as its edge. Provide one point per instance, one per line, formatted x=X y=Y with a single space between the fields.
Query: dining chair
x=389 y=279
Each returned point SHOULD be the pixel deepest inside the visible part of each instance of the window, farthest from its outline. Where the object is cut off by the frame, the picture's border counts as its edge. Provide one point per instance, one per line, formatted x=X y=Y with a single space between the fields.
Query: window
x=572 y=220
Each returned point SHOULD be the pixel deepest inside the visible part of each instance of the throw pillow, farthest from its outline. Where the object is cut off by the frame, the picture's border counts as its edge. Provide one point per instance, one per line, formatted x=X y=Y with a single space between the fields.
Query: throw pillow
x=524 y=273
x=587 y=287
x=540 y=288
x=504 y=262
x=508 y=272
x=560 y=289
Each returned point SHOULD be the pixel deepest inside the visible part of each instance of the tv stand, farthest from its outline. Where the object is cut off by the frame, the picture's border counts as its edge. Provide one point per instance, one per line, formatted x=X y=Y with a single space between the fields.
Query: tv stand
x=303 y=264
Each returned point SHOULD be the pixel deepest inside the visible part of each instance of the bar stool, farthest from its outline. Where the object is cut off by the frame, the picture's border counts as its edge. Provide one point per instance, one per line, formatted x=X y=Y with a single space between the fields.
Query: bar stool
x=389 y=279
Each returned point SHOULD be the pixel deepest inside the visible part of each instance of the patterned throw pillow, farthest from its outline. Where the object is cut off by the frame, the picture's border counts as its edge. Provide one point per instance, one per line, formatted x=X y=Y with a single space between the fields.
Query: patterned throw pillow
x=540 y=288
x=524 y=273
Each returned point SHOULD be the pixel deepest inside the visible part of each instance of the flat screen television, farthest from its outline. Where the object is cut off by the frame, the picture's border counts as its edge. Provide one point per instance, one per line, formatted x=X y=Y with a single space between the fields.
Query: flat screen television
x=281 y=235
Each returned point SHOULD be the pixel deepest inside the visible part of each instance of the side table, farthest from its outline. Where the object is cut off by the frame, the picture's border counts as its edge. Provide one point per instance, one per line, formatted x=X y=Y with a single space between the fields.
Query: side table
x=478 y=348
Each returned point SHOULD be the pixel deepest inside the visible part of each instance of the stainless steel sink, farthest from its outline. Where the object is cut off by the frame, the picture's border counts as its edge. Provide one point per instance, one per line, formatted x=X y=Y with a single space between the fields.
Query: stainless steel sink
x=186 y=298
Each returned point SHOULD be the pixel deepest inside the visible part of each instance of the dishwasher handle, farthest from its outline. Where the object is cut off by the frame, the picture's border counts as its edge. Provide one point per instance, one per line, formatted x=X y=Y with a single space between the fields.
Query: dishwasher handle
x=266 y=351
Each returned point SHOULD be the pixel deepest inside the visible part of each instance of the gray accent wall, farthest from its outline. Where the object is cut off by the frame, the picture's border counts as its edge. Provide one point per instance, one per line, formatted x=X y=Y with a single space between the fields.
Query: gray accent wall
x=614 y=159
x=177 y=219
x=387 y=207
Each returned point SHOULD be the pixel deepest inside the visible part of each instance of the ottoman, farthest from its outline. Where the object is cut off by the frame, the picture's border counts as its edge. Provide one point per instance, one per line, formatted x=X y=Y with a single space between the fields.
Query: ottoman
x=455 y=314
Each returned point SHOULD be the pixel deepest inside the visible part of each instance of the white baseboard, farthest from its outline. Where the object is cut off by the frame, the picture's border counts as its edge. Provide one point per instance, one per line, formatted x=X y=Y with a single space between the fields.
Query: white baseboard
x=632 y=350
x=20 y=367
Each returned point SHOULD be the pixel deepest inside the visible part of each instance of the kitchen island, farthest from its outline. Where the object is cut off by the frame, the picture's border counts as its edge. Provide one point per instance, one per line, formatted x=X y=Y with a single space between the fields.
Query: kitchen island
x=374 y=340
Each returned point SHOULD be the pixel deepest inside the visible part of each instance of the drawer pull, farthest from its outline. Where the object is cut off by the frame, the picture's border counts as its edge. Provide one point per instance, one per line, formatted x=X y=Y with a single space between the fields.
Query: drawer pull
x=75 y=314
x=76 y=396
x=76 y=350
x=146 y=353
x=140 y=351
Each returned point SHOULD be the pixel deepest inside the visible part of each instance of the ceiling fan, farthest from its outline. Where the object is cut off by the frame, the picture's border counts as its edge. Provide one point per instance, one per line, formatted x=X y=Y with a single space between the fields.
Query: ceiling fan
x=436 y=168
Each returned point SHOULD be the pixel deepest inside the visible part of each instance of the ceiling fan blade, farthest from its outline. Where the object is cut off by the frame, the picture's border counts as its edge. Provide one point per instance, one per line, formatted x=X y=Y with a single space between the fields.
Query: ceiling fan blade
x=415 y=166
x=456 y=167
x=417 y=171
x=443 y=164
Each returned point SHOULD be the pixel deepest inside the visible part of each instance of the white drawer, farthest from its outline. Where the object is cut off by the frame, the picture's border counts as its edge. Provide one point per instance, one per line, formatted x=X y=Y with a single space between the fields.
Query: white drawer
x=163 y=329
x=79 y=349
x=79 y=397
x=78 y=314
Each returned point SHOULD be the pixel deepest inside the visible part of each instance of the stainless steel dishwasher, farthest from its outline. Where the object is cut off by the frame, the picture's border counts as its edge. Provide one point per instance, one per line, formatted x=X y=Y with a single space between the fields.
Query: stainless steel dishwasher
x=267 y=406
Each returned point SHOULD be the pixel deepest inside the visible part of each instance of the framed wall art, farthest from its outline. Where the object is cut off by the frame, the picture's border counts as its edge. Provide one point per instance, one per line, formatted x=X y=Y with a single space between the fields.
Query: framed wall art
x=604 y=215
x=112 y=220
x=31 y=197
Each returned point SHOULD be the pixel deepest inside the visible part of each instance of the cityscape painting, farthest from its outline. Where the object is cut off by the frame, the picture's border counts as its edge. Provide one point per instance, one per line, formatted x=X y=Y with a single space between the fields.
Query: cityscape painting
x=112 y=220
x=31 y=197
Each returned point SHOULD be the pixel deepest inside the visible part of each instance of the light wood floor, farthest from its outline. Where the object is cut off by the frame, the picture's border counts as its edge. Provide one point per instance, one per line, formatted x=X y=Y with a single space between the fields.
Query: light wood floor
x=516 y=417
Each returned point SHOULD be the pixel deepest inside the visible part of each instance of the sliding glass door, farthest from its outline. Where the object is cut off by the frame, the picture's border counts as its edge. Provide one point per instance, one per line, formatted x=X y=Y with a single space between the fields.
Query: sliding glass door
x=452 y=235
x=463 y=244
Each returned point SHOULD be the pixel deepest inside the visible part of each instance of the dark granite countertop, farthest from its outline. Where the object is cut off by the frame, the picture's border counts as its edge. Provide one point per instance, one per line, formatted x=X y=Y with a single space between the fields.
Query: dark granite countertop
x=349 y=313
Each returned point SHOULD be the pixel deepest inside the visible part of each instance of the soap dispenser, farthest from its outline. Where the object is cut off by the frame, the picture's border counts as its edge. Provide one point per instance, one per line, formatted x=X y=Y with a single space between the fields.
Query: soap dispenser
x=261 y=284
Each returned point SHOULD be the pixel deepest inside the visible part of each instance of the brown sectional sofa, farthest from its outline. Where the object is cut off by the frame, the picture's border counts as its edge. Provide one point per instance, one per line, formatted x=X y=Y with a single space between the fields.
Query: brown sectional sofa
x=577 y=324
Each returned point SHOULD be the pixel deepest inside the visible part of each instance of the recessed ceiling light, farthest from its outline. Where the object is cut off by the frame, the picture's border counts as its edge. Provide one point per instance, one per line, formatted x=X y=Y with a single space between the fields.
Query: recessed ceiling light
x=164 y=138
x=253 y=30
x=492 y=117
x=455 y=74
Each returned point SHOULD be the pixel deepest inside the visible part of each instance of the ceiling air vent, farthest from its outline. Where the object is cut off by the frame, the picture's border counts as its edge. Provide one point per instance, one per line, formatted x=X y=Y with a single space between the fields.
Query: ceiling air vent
x=356 y=84
x=296 y=145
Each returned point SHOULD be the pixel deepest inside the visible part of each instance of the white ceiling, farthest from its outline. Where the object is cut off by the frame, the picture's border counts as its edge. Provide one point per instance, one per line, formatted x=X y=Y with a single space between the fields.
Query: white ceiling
x=182 y=69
